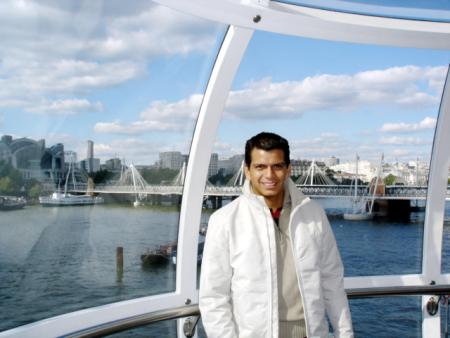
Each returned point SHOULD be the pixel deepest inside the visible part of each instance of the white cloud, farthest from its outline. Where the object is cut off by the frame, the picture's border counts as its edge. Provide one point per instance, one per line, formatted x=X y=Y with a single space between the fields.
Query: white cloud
x=404 y=87
x=53 y=49
x=265 y=99
x=397 y=140
x=426 y=123
x=118 y=127
x=66 y=107
x=159 y=116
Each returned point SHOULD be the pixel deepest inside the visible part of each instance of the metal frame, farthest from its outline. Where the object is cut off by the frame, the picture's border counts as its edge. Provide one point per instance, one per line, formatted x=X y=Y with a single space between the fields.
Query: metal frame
x=319 y=23
x=193 y=310
x=435 y=208
x=247 y=16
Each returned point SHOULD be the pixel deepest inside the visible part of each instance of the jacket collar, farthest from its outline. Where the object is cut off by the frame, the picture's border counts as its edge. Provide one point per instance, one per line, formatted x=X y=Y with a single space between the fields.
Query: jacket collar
x=297 y=196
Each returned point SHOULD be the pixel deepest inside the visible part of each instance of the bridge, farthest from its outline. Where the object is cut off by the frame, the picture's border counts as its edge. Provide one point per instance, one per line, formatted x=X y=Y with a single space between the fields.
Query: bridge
x=314 y=185
x=317 y=191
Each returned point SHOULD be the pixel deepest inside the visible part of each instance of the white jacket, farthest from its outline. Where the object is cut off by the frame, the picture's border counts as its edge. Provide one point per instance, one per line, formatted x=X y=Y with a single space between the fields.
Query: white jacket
x=238 y=283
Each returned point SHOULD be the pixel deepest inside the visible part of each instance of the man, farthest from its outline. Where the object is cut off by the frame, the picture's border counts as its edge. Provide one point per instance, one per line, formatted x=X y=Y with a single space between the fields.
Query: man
x=271 y=267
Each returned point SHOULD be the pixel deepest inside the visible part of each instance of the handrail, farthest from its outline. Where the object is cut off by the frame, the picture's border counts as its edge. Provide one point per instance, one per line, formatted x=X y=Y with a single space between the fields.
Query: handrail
x=416 y=290
x=193 y=310
x=135 y=321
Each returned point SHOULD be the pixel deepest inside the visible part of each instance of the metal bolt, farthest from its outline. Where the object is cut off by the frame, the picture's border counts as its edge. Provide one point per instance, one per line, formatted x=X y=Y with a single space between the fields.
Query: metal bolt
x=187 y=301
x=257 y=18
x=433 y=306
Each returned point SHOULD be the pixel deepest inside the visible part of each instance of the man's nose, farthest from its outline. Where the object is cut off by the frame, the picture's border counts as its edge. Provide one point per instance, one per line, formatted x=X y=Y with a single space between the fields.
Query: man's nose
x=270 y=172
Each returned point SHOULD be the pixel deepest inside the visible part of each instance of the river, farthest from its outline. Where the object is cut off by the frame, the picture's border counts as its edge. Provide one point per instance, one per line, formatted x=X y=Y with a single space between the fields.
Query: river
x=58 y=260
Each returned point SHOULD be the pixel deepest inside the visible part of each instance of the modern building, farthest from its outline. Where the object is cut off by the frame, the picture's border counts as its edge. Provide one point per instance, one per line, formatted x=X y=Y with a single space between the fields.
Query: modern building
x=331 y=161
x=230 y=165
x=32 y=158
x=113 y=164
x=171 y=160
x=90 y=164
x=213 y=167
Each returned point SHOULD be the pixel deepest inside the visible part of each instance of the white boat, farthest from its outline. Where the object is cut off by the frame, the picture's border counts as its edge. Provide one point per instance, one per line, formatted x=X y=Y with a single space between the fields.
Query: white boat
x=65 y=199
x=357 y=216
x=358 y=212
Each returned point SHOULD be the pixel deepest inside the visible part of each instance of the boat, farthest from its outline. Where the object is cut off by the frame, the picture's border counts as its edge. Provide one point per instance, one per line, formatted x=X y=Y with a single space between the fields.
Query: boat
x=137 y=203
x=167 y=253
x=357 y=216
x=358 y=212
x=11 y=203
x=60 y=199
x=160 y=255
x=65 y=199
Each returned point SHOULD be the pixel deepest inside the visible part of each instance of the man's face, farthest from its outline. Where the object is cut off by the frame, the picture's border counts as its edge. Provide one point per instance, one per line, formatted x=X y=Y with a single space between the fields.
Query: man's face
x=267 y=172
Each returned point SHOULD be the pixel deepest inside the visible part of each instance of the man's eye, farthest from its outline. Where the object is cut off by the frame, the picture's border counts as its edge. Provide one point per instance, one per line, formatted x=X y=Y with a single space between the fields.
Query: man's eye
x=278 y=166
x=260 y=167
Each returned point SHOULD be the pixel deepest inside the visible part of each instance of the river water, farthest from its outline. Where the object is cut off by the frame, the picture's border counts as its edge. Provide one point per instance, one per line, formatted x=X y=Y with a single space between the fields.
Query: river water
x=58 y=260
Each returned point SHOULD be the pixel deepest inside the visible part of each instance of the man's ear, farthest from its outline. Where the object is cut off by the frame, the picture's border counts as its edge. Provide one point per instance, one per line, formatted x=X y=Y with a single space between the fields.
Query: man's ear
x=289 y=169
x=247 y=172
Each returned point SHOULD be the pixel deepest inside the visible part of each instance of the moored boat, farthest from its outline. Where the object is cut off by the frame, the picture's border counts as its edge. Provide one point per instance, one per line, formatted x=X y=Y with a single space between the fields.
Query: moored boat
x=63 y=199
x=160 y=255
x=357 y=216
x=11 y=203
x=166 y=253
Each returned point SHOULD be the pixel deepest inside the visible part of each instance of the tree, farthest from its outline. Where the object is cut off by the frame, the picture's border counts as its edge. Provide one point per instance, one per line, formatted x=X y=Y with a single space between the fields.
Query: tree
x=6 y=186
x=220 y=178
x=102 y=176
x=158 y=175
x=390 y=179
x=35 y=191
x=12 y=180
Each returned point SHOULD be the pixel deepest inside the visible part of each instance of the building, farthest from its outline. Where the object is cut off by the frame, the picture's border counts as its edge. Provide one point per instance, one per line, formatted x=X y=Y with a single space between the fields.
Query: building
x=90 y=164
x=213 y=167
x=230 y=165
x=331 y=161
x=301 y=167
x=171 y=160
x=90 y=149
x=32 y=158
x=113 y=164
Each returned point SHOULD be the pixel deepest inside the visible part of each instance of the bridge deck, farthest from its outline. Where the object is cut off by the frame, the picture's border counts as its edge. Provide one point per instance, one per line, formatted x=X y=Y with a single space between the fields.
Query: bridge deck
x=318 y=191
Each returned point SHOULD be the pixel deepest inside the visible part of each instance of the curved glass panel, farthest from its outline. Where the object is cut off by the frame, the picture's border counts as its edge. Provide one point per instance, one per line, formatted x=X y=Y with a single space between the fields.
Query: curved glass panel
x=336 y=102
x=338 y=105
x=86 y=118
x=415 y=10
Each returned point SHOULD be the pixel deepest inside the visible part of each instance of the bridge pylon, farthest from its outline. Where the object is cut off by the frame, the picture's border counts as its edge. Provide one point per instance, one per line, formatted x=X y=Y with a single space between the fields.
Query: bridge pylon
x=314 y=176
x=238 y=178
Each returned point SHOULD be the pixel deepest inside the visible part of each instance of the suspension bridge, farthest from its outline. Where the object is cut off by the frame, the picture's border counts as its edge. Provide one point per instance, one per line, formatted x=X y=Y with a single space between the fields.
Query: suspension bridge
x=315 y=183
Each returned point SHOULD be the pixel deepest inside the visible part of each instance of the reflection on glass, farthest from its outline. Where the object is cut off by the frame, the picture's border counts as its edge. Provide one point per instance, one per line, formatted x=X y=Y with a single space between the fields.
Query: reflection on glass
x=355 y=121
x=97 y=110
x=337 y=102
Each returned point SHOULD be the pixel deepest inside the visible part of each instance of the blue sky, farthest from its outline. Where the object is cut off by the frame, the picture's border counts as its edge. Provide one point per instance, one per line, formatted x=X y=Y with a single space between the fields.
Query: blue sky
x=130 y=76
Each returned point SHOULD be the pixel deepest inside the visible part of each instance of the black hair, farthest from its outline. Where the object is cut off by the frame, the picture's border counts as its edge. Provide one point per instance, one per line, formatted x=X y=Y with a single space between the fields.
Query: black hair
x=266 y=141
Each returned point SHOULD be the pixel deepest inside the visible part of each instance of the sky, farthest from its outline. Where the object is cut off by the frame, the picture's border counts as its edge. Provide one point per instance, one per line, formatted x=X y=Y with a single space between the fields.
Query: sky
x=130 y=76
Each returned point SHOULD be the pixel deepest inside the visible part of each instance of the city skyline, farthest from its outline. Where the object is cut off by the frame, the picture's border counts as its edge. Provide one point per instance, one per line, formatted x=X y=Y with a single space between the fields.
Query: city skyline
x=131 y=77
